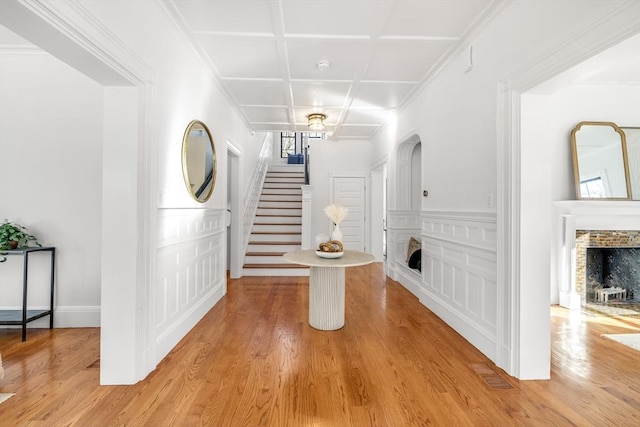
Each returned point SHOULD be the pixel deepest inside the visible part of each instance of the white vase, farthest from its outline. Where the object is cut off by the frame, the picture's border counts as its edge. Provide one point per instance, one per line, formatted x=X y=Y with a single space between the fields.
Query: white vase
x=337 y=233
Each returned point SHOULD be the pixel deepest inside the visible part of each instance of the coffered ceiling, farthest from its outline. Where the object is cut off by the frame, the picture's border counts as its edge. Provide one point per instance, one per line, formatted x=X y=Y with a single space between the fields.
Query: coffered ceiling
x=265 y=54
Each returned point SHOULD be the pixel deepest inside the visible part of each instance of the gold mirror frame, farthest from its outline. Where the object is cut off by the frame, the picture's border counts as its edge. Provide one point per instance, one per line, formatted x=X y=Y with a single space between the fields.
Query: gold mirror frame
x=621 y=169
x=632 y=140
x=199 y=161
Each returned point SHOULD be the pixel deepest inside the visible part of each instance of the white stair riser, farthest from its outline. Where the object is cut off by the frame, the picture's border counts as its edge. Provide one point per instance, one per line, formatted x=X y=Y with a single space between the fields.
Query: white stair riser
x=271 y=185
x=281 y=191
x=274 y=219
x=296 y=175
x=255 y=259
x=253 y=247
x=281 y=197
x=275 y=228
x=273 y=211
x=274 y=179
x=280 y=205
x=276 y=237
x=283 y=167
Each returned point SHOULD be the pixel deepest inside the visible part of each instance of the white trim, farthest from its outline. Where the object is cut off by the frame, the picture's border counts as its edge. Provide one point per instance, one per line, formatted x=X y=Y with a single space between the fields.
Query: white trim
x=236 y=226
x=233 y=148
x=101 y=55
x=611 y=27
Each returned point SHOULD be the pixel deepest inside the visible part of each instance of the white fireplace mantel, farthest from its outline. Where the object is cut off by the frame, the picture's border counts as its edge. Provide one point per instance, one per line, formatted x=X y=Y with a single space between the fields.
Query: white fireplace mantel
x=575 y=215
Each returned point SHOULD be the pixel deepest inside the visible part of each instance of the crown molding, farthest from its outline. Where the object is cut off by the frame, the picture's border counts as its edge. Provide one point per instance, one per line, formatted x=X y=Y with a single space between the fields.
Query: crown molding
x=618 y=23
x=172 y=13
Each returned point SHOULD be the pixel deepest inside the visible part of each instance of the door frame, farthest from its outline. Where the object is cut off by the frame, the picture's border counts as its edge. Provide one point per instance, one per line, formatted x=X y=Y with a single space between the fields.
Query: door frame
x=367 y=199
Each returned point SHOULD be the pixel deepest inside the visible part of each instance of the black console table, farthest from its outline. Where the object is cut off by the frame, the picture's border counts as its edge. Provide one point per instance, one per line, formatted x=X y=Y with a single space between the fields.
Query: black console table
x=24 y=316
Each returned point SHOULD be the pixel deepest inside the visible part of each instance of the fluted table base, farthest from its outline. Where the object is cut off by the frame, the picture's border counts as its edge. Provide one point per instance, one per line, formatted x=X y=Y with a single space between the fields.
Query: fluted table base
x=326 y=298
x=326 y=284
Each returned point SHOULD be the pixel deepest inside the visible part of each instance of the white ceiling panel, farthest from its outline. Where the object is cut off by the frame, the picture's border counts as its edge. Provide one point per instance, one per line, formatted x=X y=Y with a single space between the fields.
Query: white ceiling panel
x=404 y=61
x=320 y=93
x=243 y=57
x=265 y=54
x=330 y=17
x=256 y=92
x=273 y=127
x=366 y=116
x=344 y=57
x=267 y=115
x=433 y=18
x=375 y=94
x=232 y=16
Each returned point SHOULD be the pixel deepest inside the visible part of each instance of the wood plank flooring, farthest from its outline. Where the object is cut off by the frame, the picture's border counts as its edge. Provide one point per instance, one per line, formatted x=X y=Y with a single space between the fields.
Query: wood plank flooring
x=253 y=360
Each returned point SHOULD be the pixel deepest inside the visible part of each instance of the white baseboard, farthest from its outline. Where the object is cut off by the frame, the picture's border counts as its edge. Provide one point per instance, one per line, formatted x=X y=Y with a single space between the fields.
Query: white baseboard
x=483 y=340
x=174 y=333
x=64 y=317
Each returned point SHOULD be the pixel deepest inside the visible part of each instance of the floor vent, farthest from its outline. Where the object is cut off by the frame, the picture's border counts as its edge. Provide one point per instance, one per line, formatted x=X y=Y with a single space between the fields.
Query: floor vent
x=490 y=377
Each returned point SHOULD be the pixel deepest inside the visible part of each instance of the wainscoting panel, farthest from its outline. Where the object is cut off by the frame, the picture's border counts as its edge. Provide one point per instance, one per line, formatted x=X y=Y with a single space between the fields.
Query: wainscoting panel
x=459 y=273
x=191 y=270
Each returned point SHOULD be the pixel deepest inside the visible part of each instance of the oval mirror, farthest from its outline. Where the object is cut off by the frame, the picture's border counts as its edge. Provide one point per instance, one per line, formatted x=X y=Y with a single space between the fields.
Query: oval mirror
x=600 y=161
x=632 y=140
x=199 y=164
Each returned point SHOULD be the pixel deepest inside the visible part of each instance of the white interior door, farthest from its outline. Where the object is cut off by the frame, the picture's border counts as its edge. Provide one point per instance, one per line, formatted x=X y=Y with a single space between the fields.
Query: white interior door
x=350 y=193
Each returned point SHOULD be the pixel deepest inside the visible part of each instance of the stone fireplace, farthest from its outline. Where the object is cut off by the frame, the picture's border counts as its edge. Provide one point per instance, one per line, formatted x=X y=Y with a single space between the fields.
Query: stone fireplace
x=607 y=258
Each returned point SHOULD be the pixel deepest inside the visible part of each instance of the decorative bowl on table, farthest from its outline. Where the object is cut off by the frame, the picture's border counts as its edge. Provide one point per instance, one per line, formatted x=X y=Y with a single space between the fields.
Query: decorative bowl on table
x=329 y=255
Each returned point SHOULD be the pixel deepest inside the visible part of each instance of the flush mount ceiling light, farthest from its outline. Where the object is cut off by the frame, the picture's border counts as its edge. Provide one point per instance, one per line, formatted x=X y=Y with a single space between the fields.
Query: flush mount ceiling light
x=316 y=121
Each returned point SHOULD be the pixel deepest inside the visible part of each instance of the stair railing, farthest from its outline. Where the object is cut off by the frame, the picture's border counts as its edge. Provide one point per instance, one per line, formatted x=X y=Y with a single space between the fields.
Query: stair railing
x=306 y=164
x=255 y=187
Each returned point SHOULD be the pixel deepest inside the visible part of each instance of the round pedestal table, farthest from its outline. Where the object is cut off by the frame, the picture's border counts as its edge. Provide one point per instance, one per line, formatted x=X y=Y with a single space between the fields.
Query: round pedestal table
x=326 y=285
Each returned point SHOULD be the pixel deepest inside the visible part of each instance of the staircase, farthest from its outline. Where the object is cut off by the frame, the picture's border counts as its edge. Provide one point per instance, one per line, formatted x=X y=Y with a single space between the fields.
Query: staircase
x=277 y=227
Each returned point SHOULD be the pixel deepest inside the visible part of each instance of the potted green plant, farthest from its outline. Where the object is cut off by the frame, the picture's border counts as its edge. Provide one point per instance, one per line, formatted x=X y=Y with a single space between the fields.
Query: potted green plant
x=14 y=236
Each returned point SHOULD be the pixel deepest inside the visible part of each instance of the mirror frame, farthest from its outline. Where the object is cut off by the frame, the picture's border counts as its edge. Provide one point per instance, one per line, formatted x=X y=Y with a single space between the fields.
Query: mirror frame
x=185 y=169
x=576 y=168
x=635 y=195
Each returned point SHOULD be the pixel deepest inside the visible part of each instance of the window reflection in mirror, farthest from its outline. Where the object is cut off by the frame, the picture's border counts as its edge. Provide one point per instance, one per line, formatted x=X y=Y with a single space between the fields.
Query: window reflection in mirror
x=599 y=161
x=632 y=138
x=198 y=161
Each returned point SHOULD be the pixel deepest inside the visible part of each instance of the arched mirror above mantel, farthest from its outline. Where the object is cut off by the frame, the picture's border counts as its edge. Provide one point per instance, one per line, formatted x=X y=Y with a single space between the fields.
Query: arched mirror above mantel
x=600 y=161
x=199 y=163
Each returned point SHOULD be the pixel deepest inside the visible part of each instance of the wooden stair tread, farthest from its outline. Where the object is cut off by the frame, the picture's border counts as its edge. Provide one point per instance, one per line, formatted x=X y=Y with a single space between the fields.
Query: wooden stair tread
x=280 y=194
x=288 y=216
x=274 y=243
x=265 y=253
x=277 y=232
x=278 y=208
x=269 y=266
x=277 y=223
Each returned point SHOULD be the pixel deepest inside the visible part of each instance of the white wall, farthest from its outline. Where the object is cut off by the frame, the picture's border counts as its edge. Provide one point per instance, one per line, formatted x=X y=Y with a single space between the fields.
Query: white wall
x=346 y=157
x=177 y=265
x=51 y=175
x=190 y=275
x=455 y=116
x=547 y=121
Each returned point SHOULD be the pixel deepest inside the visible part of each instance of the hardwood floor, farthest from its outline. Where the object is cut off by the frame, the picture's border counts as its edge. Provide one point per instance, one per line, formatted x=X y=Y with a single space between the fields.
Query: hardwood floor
x=253 y=361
